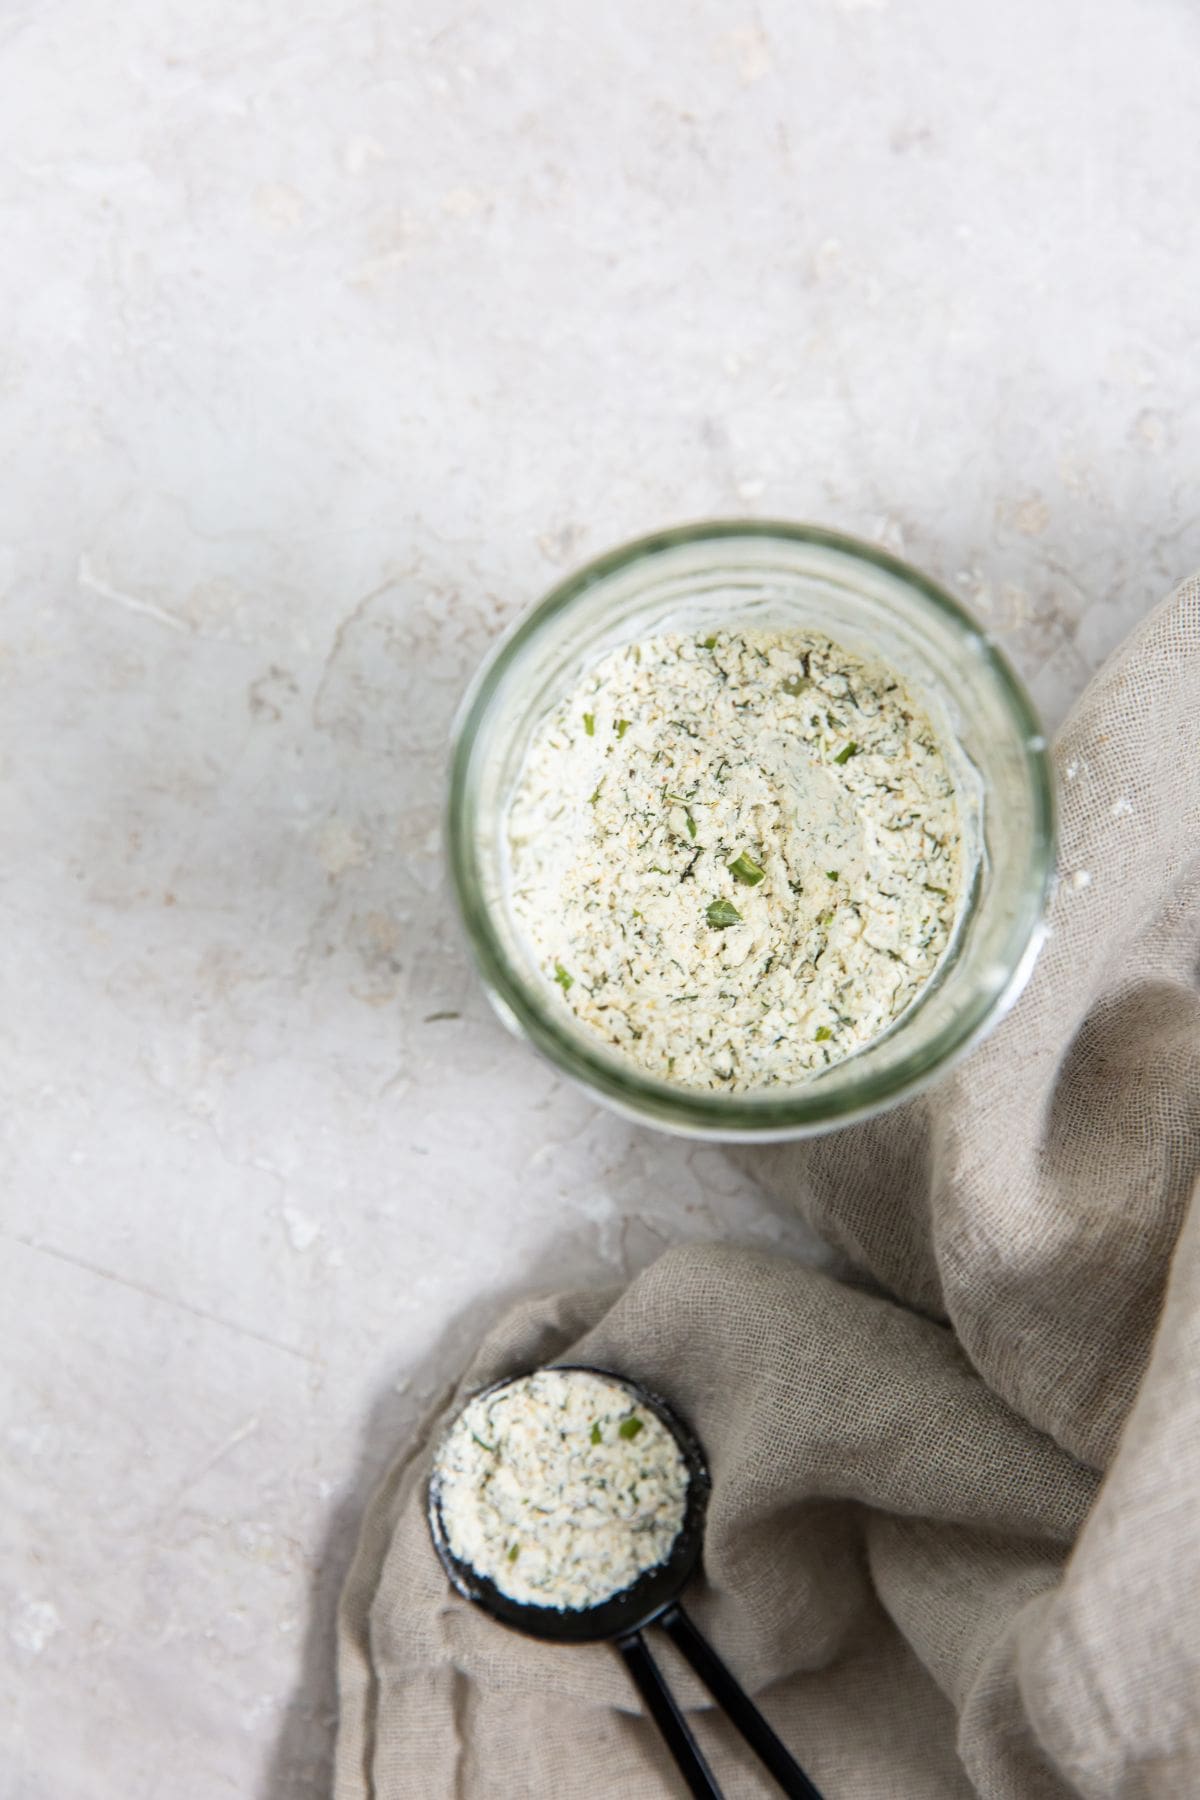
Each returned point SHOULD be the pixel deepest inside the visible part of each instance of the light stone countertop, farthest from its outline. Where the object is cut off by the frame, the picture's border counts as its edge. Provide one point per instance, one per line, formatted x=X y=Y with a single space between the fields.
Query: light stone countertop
x=331 y=337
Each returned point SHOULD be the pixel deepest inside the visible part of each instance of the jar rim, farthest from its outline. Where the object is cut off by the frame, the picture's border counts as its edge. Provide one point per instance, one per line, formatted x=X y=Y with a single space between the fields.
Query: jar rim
x=765 y=1114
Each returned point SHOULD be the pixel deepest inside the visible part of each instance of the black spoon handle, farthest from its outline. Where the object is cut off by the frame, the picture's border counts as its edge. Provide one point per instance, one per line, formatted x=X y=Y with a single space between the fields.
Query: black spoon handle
x=660 y=1704
x=737 y=1704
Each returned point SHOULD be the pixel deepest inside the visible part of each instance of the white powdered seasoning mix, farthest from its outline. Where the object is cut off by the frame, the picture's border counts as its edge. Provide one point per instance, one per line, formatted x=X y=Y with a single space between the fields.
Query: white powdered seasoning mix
x=560 y=1488
x=738 y=856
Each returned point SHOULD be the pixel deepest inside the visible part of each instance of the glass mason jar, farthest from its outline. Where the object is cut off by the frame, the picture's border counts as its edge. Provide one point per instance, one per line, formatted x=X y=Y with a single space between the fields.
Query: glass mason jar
x=743 y=575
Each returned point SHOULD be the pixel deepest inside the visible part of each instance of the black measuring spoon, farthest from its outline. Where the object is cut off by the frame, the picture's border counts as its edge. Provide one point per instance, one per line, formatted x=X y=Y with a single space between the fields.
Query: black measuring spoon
x=652 y=1600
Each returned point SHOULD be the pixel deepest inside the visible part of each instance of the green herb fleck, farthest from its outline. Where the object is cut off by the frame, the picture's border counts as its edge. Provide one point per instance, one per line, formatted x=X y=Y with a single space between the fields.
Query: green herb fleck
x=930 y=889
x=795 y=684
x=746 y=871
x=589 y=724
x=564 y=980
x=710 y=643
x=822 y=1032
x=720 y=913
x=621 y=727
x=514 y=1553
x=629 y=1428
x=832 y=874
x=595 y=795
x=656 y=870
x=678 y=800
x=843 y=756
x=597 y=1436
x=489 y=1447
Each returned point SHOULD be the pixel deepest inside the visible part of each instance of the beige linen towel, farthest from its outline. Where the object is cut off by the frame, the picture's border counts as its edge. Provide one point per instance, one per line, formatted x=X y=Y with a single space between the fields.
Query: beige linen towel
x=954 y=1539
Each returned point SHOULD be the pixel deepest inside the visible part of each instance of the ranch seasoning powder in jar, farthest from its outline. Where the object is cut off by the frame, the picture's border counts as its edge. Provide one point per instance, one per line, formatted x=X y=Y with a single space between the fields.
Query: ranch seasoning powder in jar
x=737 y=855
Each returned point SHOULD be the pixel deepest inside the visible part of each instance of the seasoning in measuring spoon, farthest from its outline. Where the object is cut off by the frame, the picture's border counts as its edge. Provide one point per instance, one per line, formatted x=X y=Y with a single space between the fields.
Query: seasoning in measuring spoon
x=560 y=1488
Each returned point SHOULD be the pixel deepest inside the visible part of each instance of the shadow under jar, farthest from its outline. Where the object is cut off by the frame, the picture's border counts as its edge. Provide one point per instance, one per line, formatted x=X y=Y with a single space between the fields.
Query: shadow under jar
x=768 y=577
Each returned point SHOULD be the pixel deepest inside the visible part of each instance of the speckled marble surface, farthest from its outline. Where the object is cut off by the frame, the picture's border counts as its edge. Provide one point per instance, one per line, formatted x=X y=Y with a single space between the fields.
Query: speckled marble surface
x=331 y=337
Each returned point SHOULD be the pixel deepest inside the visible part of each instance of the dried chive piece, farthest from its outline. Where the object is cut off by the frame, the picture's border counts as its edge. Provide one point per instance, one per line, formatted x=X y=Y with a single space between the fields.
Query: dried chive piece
x=595 y=794
x=678 y=800
x=795 y=684
x=832 y=874
x=597 y=1436
x=746 y=871
x=629 y=1428
x=843 y=756
x=589 y=724
x=564 y=980
x=491 y=1448
x=721 y=913
x=514 y=1553
x=822 y=1032
x=621 y=727
x=709 y=643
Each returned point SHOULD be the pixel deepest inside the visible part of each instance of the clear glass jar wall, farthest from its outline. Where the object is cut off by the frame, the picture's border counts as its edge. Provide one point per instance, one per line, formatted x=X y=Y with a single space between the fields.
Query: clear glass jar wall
x=771 y=576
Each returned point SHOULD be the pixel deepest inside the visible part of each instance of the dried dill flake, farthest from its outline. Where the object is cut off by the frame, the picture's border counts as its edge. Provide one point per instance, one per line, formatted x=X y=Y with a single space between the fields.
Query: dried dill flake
x=780 y=845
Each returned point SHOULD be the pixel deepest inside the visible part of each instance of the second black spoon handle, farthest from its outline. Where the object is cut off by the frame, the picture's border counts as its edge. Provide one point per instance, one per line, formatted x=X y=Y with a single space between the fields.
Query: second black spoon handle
x=737 y=1705
x=660 y=1704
